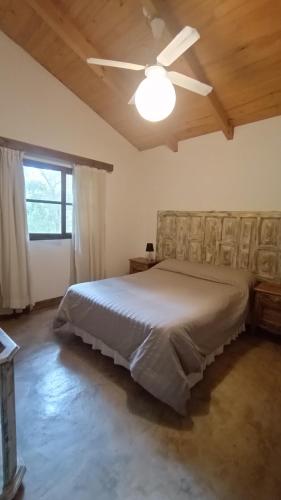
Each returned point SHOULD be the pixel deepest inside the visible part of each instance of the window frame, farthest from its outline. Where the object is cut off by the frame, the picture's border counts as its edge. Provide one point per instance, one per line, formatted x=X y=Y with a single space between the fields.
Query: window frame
x=63 y=235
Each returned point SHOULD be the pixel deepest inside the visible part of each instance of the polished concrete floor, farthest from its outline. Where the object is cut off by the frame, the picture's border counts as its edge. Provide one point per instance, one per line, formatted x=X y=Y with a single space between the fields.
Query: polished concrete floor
x=87 y=432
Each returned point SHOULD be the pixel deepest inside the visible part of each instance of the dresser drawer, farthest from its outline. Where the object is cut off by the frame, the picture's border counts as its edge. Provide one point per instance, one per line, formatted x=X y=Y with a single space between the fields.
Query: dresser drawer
x=271 y=301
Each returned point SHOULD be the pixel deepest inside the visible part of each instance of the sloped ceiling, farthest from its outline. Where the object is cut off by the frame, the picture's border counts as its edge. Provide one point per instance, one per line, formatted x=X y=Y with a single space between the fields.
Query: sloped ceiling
x=239 y=54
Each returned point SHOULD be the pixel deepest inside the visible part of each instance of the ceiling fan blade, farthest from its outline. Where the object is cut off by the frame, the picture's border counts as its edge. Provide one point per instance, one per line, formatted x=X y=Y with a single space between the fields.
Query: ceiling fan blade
x=189 y=83
x=182 y=41
x=115 y=64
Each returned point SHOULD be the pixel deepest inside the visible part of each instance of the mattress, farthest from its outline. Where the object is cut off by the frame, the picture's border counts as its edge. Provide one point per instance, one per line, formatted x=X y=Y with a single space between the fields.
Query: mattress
x=164 y=324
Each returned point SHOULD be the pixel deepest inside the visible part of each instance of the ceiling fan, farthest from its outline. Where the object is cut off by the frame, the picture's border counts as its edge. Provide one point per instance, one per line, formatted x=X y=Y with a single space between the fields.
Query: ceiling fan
x=155 y=96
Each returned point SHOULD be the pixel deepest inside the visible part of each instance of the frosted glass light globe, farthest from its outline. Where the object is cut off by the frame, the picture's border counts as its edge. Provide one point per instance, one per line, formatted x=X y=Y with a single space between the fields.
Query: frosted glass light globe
x=155 y=97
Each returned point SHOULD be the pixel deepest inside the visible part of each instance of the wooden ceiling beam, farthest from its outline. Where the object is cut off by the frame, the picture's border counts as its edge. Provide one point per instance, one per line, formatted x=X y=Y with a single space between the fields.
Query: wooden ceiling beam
x=53 y=16
x=158 y=8
x=172 y=144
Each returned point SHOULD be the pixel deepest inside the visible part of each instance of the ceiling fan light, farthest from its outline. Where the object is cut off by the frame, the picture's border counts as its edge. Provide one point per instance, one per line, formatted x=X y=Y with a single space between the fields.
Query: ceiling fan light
x=155 y=97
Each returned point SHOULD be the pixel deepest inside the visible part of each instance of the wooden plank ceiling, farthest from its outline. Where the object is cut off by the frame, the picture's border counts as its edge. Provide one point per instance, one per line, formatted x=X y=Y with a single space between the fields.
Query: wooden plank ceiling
x=239 y=54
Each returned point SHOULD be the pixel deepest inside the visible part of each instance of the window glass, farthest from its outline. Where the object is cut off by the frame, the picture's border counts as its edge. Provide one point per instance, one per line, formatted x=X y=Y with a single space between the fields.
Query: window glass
x=42 y=184
x=49 y=207
x=69 y=198
x=44 y=218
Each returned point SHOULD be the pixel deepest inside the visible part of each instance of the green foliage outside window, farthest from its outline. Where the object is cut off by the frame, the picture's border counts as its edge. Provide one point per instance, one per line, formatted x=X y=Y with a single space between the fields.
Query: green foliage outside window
x=47 y=193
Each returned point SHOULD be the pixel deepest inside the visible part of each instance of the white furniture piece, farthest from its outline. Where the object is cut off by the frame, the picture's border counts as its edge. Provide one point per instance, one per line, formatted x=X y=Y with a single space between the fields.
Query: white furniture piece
x=12 y=468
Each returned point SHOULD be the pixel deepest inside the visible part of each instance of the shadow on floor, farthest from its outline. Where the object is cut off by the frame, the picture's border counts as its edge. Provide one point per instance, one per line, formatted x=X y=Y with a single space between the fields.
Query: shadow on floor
x=139 y=401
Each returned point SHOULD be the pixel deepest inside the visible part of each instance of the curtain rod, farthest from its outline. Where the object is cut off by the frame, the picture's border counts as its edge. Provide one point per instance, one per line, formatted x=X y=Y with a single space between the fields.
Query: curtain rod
x=48 y=161
x=54 y=154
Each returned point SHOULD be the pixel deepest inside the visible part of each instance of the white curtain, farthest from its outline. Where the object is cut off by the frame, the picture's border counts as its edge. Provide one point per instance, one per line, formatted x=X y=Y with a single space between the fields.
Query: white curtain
x=15 y=282
x=88 y=239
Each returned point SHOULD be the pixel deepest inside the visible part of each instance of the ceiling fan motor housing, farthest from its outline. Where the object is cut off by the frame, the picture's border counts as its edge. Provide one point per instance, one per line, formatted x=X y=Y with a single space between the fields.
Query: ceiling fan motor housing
x=155 y=71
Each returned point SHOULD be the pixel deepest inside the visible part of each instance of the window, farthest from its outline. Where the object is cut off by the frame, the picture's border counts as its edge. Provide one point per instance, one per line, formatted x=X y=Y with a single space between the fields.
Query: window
x=48 y=199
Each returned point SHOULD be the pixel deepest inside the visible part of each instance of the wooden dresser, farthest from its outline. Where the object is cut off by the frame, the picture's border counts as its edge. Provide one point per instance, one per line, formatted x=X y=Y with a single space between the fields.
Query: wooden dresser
x=139 y=264
x=267 y=307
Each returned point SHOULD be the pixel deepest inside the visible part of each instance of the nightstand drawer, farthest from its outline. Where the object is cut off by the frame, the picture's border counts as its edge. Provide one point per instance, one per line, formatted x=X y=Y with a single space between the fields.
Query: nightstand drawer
x=270 y=319
x=271 y=301
x=137 y=268
x=139 y=264
x=267 y=308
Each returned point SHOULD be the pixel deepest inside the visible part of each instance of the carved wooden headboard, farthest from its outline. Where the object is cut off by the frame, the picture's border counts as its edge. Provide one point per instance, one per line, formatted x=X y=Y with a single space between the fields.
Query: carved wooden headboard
x=245 y=240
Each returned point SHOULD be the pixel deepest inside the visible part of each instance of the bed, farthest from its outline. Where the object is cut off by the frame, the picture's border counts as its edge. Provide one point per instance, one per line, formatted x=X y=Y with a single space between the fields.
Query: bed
x=164 y=325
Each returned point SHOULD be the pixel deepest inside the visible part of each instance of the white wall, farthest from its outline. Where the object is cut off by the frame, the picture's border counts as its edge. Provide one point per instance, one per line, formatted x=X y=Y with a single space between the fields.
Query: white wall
x=208 y=173
x=37 y=108
x=211 y=173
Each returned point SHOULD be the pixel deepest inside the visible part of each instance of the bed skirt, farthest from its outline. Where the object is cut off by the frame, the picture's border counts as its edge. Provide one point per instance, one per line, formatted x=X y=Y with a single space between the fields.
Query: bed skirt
x=98 y=345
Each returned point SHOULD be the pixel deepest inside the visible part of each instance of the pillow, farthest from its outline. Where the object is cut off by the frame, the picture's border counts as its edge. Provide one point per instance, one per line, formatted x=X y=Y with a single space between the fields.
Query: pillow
x=210 y=272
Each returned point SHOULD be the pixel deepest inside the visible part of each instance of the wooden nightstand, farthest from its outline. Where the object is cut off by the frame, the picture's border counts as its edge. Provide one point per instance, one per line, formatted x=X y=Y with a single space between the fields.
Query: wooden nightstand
x=267 y=307
x=139 y=264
